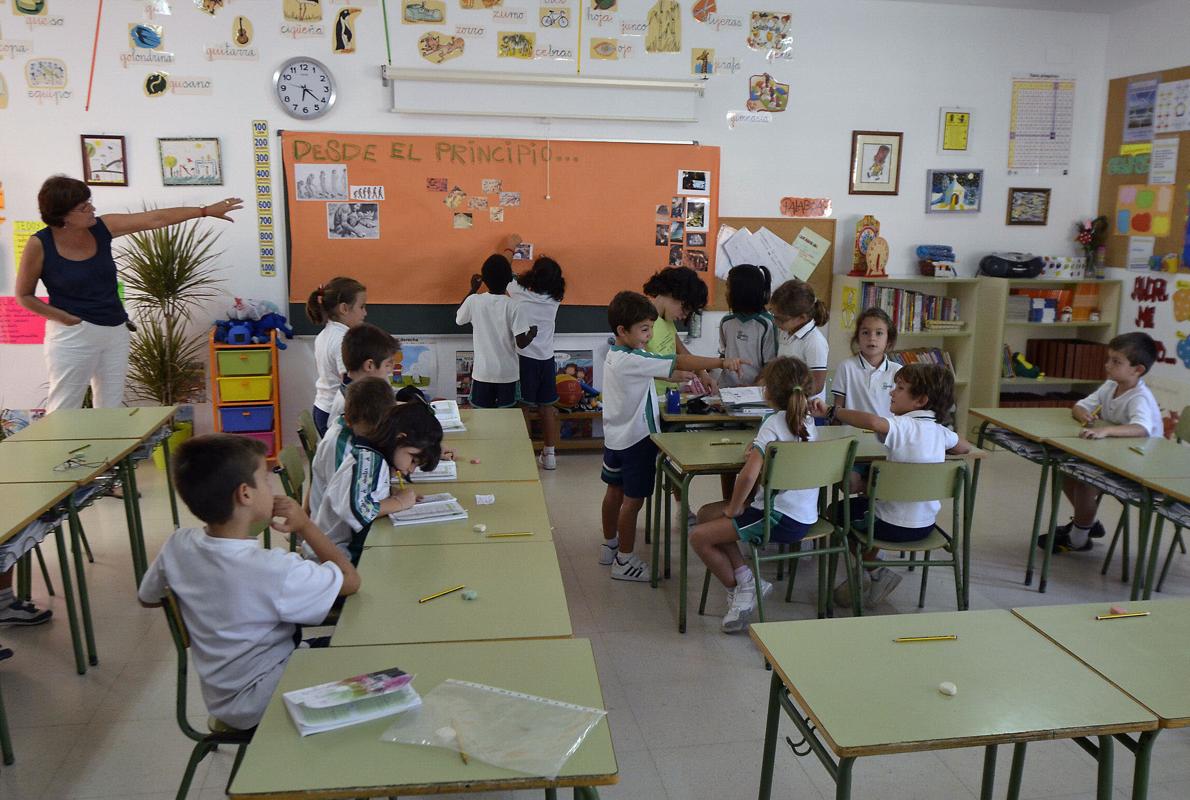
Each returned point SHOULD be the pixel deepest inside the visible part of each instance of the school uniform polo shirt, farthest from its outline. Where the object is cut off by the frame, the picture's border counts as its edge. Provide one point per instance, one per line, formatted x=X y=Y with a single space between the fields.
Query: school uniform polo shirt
x=327 y=457
x=918 y=439
x=859 y=385
x=492 y=317
x=800 y=505
x=351 y=500
x=808 y=344
x=630 y=410
x=751 y=337
x=1137 y=406
x=663 y=342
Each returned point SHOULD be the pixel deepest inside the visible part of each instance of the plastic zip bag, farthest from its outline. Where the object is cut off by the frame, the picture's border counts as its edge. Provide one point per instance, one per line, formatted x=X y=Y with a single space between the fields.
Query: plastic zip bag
x=521 y=732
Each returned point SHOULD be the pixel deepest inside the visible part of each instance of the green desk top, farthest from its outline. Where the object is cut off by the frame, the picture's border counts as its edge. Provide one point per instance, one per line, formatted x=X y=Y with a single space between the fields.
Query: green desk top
x=97 y=423
x=499 y=460
x=869 y=695
x=34 y=462
x=519 y=507
x=279 y=763
x=697 y=451
x=1176 y=488
x=1158 y=458
x=520 y=595
x=1143 y=656
x=716 y=417
x=25 y=502
x=491 y=423
x=1034 y=424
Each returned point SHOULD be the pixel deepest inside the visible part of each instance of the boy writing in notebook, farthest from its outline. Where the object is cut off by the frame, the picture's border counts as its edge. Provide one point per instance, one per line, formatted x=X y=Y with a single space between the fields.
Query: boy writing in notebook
x=630 y=415
x=242 y=604
x=1128 y=408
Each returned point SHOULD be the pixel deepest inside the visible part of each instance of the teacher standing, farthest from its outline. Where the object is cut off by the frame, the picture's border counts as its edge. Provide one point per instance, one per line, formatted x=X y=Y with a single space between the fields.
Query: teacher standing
x=87 y=329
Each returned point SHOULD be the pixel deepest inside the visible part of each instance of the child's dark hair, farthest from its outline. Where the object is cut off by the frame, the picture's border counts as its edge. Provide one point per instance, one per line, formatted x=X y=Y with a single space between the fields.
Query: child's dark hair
x=796 y=298
x=321 y=305
x=874 y=313
x=409 y=425
x=365 y=403
x=209 y=470
x=933 y=382
x=680 y=283
x=628 y=308
x=496 y=273
x=544 y=277
x=365 y=343
x=788 y=385
x=748 y=288
x=411 y=394
x=1139 y=348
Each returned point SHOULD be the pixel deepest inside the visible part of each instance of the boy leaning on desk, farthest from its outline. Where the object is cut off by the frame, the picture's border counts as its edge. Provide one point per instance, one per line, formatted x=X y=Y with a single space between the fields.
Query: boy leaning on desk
x=1129 y=409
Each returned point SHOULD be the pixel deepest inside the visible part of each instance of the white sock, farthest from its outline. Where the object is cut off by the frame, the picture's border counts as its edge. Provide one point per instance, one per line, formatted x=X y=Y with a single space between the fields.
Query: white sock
x=613 y=543
x=743 y=576
x=1079 y=535
x=623 y=558
x=547 y=451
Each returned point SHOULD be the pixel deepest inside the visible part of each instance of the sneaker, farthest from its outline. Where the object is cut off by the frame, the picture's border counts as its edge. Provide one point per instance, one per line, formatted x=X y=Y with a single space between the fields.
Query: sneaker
x=547 y=460
x=22 y=613
x=1097 y=531
x=842 y=595
x=5 y=652
x=1062 y=543
x=743 y=603
x=634 y=569
x=881 y=582
x=607 y=553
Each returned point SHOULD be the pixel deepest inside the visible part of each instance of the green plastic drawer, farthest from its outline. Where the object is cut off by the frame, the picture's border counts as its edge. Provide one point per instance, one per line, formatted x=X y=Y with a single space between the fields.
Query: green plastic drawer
x=244 y=362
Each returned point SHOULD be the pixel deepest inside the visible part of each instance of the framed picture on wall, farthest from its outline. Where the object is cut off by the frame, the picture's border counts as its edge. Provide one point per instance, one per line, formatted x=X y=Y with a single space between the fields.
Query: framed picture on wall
x=954 y=191
x=875 y=162
x=104 y=162
x=1028 y=206
x=190 y=162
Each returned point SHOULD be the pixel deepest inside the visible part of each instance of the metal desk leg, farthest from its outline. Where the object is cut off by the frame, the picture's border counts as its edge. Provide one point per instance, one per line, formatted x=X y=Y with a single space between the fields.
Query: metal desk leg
x=843 y=779
x=5 y=739
x=81 y=577
x=770 y=738
x=658 y=497
x=1055 y=498
x=683 y=556
x=1103 y=789
x=1140 y=575
x=551 y=794
x=130 y=488
x=169 y=482
x=586 y=793
x=988 y=783
x=1154 y=543
x=1144 y=754
x=130 y=520
x=80 y=661
x=668 y=528
x=1017 y=770
x=1047 y=466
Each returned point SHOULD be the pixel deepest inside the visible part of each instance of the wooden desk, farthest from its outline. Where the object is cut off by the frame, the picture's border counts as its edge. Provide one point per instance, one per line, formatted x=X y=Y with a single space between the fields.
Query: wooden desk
x=354 y=762
x=520 y=595
x=499 y=460
x=519 y=507
x=490 y=423
x=825 y=663
x=681 y=420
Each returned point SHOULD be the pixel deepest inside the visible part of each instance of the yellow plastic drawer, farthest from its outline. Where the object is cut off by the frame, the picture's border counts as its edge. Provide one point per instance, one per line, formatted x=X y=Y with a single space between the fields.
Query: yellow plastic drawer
x=244 y=362
x=247 y=387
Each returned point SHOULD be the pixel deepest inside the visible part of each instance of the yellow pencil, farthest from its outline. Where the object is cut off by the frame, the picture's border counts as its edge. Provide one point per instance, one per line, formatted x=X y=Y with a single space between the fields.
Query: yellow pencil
x=947 y=638
x=78 y=449
x=1138 y=450
x=722 y=444
x=430 y=597
x=1094 y=415
x=400 y=481
x=459 y=742
x=132 y=413
x=1122 y=616
x=507 y=535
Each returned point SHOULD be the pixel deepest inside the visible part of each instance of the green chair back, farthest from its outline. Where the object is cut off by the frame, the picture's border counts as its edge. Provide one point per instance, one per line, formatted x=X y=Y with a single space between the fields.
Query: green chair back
x=902 y=481
x=1182 y=430
x=807 y=465
x=308 y=434
x=292 y=468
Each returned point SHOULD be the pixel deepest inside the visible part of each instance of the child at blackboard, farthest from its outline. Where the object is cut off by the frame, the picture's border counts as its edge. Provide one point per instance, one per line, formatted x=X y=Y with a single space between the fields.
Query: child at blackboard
x=338 y=305
x=538 y=293
x=676 y=292
x=496 y=370
x=799 y=315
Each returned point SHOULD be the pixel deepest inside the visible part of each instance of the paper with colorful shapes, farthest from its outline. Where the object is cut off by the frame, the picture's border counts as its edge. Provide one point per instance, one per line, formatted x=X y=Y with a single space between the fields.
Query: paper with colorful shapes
x=495 y=215
x=454 y=198
x=767 y=94
x=343 y=33
x=769 y=30
x=604 y=49
x=437 y=47
x=703 y=9
x=664 y=33
x=463 y=221
x=515 y=44
x=1144 y=210
x=510 y=199
x=702 y=61
x=422 y=12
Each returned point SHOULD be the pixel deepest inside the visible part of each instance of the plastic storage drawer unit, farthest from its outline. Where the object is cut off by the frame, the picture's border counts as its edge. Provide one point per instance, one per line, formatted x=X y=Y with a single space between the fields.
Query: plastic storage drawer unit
x=241 y=419
x=244 y=362
x=267 y=438
x=235 y=390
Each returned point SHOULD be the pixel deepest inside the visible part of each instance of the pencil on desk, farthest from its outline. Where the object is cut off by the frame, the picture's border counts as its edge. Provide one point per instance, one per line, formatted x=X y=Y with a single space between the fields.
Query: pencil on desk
x=1094 y=415
x=459 y=742
x=722 y=444
x=507 y=535
x=436 y=595
x=78 y=449
x=946 y=638
x=1122 y=616
x=132 y=413
x=1138 y=450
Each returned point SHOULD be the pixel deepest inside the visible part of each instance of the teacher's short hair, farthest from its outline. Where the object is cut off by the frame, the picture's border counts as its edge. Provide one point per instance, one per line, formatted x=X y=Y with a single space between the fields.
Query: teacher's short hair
x=59 y=195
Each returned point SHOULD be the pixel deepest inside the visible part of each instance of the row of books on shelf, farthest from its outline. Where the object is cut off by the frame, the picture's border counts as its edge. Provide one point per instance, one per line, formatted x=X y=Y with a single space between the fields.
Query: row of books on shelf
x=910 y=311
x=1053 y=305
x=922 y=355
x=1067 y=358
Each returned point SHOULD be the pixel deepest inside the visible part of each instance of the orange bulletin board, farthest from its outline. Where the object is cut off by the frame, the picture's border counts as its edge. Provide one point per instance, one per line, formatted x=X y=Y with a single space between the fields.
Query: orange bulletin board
x=593 y=206
x=1120 y=170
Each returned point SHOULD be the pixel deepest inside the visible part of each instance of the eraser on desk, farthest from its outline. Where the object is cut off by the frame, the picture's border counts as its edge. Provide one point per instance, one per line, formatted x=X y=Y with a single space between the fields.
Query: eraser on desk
x=1118 y=610
x=947 y=688
x=725 y=440
x=479 y=528
x=475 y=461
x=485 y=499
x=470 y=594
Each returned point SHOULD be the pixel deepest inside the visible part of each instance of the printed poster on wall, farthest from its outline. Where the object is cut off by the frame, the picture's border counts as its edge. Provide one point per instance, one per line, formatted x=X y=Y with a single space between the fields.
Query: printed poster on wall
x=1140 y=105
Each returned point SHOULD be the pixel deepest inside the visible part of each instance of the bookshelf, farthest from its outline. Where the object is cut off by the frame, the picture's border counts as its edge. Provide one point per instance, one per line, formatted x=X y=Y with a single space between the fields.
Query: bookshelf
x=996 y=331
x=847 y=297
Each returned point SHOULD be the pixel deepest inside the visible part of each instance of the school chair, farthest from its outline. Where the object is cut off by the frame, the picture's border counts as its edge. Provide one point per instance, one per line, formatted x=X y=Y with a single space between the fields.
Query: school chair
x=1129 y=494
x=308 y=434
x=823 y=465
x=6 y=753
x=219 y=732
x=292 y=470
x=901 y=481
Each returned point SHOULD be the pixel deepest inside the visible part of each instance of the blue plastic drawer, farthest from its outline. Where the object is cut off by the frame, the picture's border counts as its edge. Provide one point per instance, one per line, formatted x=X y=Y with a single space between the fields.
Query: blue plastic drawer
x=242 y=419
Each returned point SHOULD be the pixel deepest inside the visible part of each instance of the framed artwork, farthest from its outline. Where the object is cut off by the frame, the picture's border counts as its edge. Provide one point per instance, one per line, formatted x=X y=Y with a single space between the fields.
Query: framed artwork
x=104 y=162
x=954 y=191
x=1028 y=206
x=875 y=162
x=190 y=162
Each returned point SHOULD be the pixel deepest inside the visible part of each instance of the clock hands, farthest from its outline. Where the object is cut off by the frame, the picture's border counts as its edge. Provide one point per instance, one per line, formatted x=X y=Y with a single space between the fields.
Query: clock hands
x=306 y=91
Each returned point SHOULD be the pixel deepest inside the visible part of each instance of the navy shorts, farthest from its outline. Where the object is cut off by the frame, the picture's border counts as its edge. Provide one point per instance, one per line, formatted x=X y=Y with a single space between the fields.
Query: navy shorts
x=539 y=386
x=783 y=529
x=886 y=530
x=633 y=469
x=494 y=395
x=321 y=420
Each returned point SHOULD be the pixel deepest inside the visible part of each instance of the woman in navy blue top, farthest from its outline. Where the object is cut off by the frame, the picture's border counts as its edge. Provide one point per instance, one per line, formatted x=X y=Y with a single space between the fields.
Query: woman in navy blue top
x=87 y=330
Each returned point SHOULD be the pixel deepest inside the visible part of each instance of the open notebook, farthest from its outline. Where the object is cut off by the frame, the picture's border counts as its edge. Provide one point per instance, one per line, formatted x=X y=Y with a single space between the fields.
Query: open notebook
x=350 y=701
x=431 y=508
x=445 y=471
x=447 y=412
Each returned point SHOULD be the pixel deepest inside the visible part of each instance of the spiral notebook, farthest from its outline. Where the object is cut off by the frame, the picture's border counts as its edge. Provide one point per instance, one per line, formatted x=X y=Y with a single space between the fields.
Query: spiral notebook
x=431 y=508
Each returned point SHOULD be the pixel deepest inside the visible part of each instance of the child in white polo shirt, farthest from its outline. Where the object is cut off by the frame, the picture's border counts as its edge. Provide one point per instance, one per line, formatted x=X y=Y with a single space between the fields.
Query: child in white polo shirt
x=490 y=314
x=1123 y=401
x=922 y=395
x=630 y=415
x=800 y=315
x=863 y=382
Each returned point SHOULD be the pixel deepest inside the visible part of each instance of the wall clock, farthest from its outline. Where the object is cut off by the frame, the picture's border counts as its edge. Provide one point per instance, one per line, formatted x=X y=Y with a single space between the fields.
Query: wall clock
x=304 y=88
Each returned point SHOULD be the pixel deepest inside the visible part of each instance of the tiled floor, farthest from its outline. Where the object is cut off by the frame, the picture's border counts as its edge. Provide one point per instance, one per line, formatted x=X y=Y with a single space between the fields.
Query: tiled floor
x=686 y=712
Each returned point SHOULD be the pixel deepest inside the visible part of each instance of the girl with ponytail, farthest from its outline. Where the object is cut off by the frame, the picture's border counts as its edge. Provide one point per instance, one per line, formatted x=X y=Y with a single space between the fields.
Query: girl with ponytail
x=338 y=305
x=788 y=384
x=800 y=315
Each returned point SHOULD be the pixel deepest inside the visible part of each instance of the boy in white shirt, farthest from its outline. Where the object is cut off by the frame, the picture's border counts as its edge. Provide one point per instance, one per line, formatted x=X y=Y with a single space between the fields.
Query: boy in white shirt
x=496 y=371
x=630 y=415
x=367 y=401
x=368 y=352
x=242 y=604
x=922 y=395
x=1129 y=408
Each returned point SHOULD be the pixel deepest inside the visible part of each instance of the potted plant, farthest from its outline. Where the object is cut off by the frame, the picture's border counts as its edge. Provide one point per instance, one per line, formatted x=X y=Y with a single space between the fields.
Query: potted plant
x=168 y=274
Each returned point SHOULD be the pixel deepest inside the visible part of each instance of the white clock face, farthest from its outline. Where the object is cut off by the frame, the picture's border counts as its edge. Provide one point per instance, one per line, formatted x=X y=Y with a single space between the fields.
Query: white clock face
x=304 y=88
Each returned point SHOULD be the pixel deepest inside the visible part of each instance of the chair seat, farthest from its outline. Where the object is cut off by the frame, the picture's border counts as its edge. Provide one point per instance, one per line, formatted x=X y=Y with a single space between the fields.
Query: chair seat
x=1119 y=488
x=934 y=541
x=1177 y=513
x=217 y=726
x=1015 y=443
x=818 y=530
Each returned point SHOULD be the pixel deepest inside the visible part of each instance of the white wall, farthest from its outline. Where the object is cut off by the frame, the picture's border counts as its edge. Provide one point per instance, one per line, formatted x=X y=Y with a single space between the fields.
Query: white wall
x=859 y=64
x=1148 y=37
